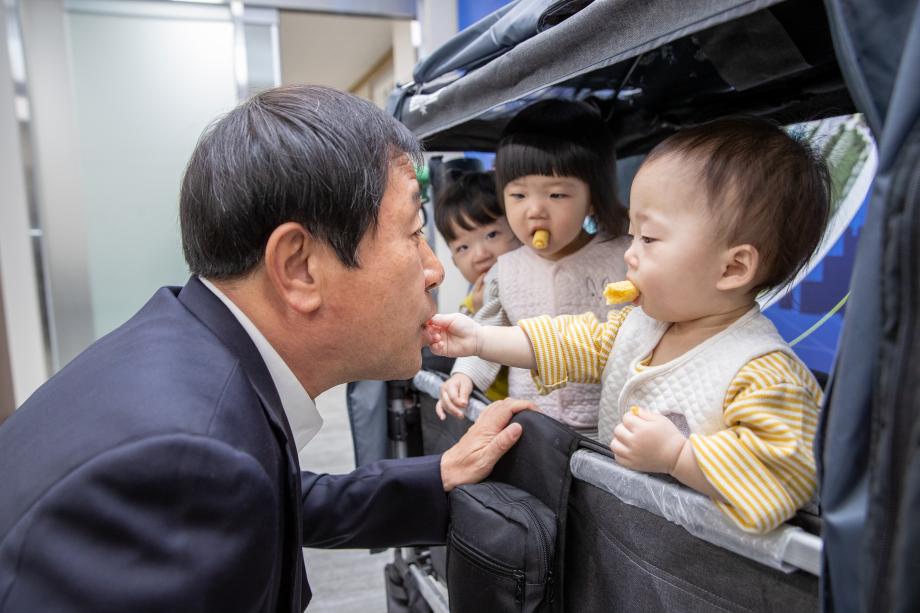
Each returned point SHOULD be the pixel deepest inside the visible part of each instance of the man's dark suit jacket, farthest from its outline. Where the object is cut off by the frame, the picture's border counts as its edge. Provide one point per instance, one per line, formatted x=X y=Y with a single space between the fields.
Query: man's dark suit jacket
x=157 y=472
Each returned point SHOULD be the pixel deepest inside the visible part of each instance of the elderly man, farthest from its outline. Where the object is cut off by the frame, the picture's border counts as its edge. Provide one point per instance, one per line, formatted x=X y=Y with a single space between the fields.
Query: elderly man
x=158 y=471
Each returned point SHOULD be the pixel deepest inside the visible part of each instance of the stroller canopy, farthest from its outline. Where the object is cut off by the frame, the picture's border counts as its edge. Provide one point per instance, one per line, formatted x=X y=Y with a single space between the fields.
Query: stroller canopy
x=659 y=66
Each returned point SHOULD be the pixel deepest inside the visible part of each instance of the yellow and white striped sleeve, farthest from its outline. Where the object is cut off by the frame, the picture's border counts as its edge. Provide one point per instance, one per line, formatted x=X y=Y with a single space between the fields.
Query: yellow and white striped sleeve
x=763 y=464
x=571 y=348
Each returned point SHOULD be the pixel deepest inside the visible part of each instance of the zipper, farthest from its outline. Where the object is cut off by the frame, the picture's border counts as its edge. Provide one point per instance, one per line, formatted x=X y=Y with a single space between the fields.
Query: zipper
x=490 y=564
x=487 y=562
x=544 y=536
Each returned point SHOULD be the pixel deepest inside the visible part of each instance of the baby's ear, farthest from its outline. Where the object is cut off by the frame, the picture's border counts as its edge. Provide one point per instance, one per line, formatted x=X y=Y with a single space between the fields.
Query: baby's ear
x=740 y=267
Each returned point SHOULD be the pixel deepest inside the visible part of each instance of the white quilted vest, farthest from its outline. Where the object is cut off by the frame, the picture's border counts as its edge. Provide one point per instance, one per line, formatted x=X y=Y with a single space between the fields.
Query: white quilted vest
x=689 y=389
x=529 y=286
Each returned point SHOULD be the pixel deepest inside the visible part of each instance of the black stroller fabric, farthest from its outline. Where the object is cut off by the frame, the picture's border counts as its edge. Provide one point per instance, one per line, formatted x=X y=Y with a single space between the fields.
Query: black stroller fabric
x=622 y=558
x=500 y=551
x=494 y=35
x=611 y=556
x=867 y=449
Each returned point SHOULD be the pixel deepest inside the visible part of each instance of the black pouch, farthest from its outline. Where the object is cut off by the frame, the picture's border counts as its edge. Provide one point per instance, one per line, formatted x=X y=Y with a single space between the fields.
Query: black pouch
x=500 y=553
x=533 y=477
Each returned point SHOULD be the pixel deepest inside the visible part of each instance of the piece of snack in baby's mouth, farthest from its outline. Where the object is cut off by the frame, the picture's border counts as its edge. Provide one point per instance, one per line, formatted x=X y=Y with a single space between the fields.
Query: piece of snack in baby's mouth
x=621 y=291
x=540 y=239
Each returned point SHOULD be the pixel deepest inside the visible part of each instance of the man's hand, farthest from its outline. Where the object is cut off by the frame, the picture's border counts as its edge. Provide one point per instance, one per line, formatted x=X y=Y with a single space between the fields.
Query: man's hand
x=454 y=335
x=648 y=442
x=455 y=395
x=473 y=457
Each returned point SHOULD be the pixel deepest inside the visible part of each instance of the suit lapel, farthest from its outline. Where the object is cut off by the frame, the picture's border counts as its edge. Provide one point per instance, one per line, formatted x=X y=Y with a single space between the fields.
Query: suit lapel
x=208 y=308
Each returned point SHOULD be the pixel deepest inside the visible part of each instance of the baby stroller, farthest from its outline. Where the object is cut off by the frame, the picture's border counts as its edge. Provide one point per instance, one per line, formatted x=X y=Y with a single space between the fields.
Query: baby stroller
x=652 y=68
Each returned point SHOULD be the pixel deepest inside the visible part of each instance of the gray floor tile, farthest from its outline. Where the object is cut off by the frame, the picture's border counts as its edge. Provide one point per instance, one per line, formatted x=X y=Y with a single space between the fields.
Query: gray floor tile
x=343 y=581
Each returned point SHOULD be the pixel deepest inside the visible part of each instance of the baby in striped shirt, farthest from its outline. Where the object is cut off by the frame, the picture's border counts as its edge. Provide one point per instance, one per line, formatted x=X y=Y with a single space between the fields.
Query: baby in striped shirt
x=696 y=382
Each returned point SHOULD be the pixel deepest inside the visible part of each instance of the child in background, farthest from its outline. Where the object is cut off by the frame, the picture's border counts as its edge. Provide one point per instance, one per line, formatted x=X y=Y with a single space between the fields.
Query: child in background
x=469 y=217
x=696 y=382
x=555 y=167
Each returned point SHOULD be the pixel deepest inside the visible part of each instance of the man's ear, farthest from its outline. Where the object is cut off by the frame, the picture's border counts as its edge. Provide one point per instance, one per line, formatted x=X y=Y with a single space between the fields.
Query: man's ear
x=740 y=267
x=294 y=265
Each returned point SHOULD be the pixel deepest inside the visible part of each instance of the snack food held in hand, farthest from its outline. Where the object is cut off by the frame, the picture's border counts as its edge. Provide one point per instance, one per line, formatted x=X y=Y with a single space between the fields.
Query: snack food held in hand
x=634 y=410
x=540 y=239
x=621 y=291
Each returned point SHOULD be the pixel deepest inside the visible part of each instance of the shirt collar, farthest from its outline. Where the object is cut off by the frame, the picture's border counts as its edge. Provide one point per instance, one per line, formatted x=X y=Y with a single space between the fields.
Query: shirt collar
x=299 y=408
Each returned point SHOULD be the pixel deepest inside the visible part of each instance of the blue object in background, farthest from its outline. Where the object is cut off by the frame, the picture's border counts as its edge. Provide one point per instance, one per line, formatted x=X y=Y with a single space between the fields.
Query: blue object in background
x=471 y=11
x=810 y=315
x=820 y=291
x=487 y=159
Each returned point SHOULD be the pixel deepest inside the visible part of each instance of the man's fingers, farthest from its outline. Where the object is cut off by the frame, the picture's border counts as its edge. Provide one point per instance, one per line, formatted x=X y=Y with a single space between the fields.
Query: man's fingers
x=502 y=442
x=499 y=413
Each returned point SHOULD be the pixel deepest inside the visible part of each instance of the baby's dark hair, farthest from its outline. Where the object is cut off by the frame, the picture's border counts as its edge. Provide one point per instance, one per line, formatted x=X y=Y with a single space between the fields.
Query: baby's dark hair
x=564 y=139
x=467 y=202
x=764 y=188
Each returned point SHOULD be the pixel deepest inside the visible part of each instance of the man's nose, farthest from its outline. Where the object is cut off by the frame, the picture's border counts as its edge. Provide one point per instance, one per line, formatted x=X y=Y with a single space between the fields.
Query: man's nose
x=434 y=271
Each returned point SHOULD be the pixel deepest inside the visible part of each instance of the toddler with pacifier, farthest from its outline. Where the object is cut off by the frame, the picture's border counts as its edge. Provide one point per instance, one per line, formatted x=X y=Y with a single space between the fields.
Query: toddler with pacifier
x=555 y=169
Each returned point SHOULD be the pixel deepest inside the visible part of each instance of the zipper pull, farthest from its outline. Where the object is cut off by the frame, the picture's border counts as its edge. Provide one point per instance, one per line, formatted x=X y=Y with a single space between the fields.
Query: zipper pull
x=518 y=586
x=550 y=587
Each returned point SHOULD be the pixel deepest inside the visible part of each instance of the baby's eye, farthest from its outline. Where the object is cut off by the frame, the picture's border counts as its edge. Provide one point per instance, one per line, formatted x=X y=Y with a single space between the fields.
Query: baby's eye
x=648 y=240
x=516 y=195
x=493 y=234
x=460 y=249
x=557 y=196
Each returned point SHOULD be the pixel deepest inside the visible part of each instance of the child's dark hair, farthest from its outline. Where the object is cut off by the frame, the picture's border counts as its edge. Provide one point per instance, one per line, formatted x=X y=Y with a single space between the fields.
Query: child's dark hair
x=467 y=202
x=764 y=188
x=564 y=139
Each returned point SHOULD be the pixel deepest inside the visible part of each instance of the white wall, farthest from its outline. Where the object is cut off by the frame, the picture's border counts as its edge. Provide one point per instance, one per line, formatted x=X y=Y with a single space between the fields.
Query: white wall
x=144 y=90
x=18 y=283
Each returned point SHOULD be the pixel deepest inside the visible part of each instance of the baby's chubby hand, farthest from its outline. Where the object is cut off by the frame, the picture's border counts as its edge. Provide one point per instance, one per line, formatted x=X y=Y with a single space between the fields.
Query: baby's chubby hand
x=453 y=335
x=648 y=442
x=454 y=396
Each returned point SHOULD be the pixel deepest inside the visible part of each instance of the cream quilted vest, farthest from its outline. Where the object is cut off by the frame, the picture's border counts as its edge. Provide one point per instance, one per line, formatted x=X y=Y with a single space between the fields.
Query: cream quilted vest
x=529 y=286
x=689 y=389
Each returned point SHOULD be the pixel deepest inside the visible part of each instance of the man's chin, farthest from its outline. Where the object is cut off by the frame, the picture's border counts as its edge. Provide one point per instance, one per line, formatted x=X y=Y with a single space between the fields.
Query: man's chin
x=404 y=369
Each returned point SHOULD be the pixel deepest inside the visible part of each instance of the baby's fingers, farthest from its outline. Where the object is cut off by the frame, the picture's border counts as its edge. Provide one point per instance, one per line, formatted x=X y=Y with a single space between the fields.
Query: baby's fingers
x=620 y=452
x=448 y=402
x=456 y=394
